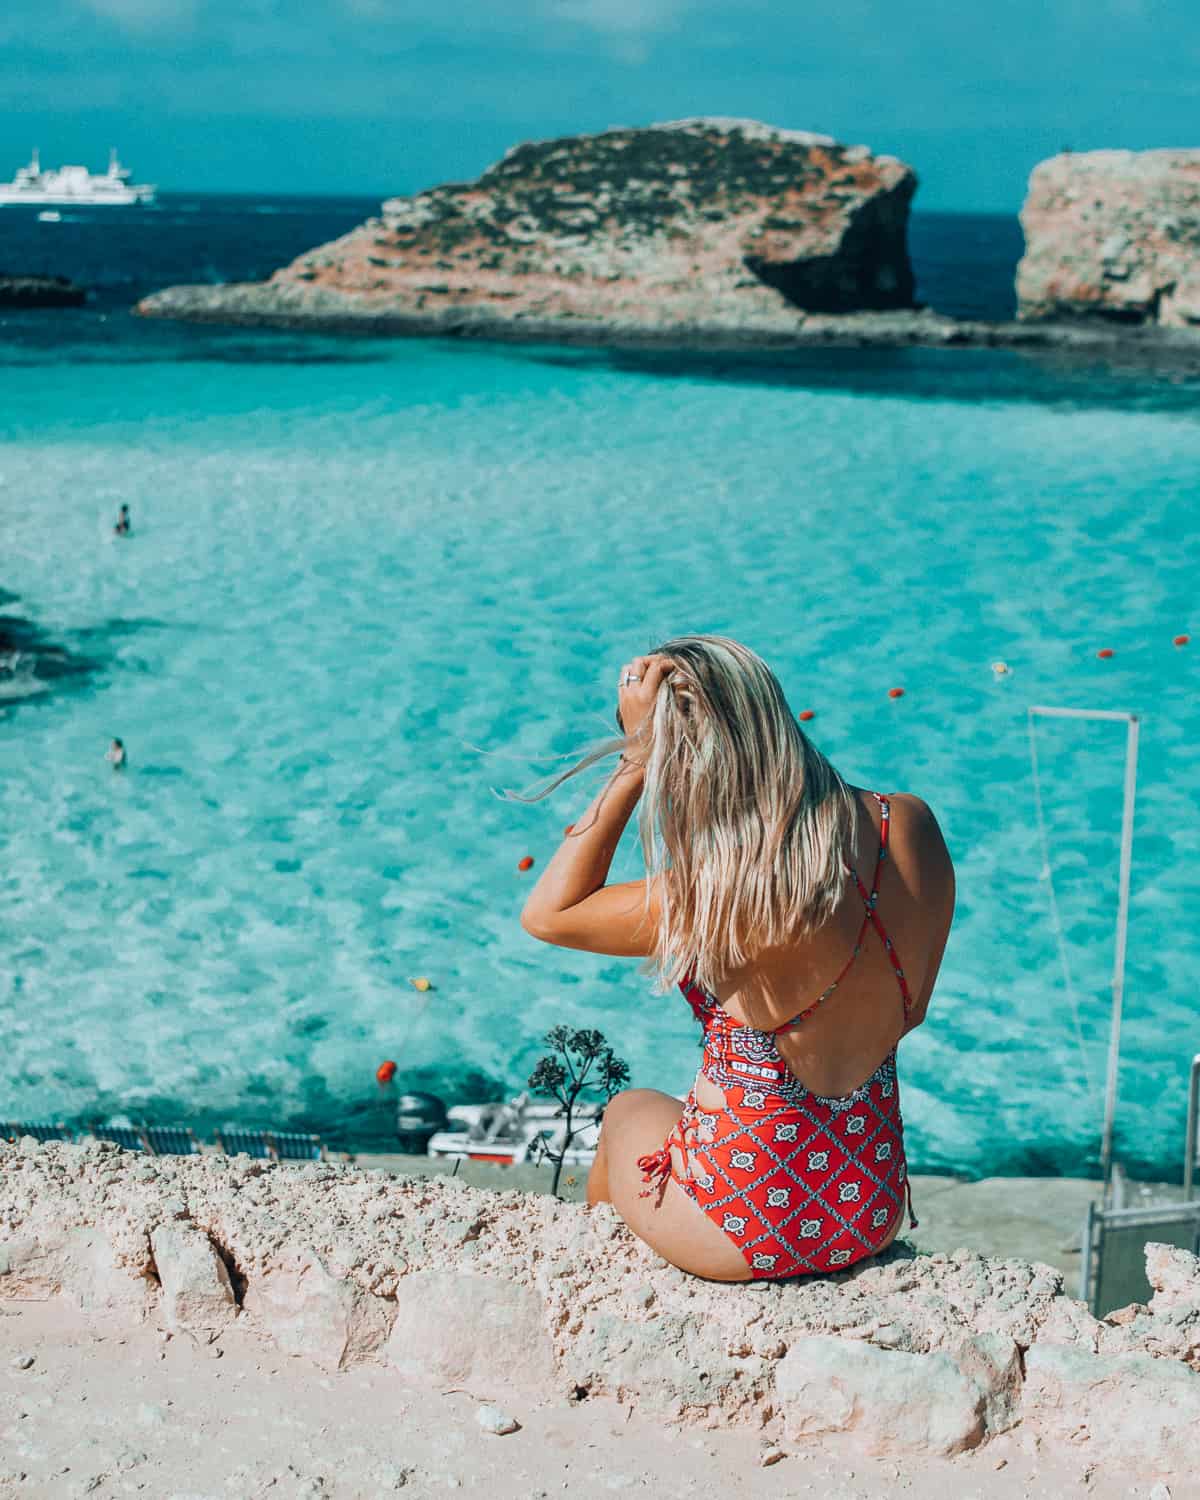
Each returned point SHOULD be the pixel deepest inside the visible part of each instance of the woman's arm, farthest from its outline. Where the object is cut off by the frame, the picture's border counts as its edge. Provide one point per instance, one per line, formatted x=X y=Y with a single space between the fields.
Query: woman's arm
x=571 y=906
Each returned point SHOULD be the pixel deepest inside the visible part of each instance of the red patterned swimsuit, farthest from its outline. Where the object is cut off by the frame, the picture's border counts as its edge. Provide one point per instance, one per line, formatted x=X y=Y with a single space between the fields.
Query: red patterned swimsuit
x=799 y=1182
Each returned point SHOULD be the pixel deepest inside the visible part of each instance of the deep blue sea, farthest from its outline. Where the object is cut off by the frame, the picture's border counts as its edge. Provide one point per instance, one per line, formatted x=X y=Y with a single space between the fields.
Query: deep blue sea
x=370 y=582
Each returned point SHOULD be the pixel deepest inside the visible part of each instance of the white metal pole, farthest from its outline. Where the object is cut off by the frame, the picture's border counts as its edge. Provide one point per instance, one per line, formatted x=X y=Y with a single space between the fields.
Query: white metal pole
x=1118 y=979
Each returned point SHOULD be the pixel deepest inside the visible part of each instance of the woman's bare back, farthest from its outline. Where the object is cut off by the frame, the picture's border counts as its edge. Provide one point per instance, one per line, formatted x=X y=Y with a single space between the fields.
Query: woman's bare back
x=845 y=1039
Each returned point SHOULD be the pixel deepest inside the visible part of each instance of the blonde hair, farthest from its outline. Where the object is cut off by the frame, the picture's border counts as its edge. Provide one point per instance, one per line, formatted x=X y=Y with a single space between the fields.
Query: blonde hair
x=744 y=821
x=744 y=824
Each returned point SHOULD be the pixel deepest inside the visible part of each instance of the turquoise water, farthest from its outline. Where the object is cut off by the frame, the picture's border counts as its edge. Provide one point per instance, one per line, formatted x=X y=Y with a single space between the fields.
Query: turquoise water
x=353 y=564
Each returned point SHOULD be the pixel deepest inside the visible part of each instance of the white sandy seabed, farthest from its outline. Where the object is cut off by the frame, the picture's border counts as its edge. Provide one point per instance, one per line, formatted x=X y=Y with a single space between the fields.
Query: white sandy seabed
x=216 y=1326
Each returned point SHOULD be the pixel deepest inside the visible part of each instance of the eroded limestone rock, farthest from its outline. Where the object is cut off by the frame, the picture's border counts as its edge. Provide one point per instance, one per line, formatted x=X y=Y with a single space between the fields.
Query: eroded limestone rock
x=316 y=1315
x=197 y=1294
x=463 y=1329
x=900 y=1403
x=1131 y=1408
x=1113 y=235
x=916 y=1353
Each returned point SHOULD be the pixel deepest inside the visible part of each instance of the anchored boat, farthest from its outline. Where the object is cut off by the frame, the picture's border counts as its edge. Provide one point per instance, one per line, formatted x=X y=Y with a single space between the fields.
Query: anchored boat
x=506 y=1133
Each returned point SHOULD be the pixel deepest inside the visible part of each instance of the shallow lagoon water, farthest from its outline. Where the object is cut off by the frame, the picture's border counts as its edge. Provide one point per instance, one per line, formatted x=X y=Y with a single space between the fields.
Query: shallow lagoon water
x=369 y=583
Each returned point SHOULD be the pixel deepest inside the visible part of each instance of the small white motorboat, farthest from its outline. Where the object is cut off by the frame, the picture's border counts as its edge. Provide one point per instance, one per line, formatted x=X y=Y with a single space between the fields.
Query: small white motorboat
x=515 y=1132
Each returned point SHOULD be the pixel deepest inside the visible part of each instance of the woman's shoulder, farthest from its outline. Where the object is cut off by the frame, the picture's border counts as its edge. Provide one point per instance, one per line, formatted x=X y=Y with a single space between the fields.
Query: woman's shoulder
x=917 y=833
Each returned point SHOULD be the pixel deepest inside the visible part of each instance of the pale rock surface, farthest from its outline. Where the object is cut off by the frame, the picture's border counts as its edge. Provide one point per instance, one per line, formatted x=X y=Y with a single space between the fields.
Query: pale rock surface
x=495 y=1291
x=1114 y=235
x=1130 y=1408
x=313 y=1314
x=900 y=1403
x=197 y=1295
x=459 y=1330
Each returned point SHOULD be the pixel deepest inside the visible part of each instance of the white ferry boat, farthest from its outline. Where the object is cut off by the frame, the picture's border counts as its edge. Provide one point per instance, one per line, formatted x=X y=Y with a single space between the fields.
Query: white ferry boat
x=76 y=186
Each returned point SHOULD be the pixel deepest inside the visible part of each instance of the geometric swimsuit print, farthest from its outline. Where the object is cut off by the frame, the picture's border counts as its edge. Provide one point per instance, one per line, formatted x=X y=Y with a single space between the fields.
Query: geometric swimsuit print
x=799 y=1182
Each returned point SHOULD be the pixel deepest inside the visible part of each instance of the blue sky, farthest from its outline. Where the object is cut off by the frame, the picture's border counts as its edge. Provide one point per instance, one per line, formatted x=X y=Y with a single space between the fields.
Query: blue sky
x=386 y=96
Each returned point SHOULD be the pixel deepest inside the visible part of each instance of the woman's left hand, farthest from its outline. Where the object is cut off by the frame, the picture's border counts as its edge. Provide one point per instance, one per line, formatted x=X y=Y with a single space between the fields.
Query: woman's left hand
x=637 y=690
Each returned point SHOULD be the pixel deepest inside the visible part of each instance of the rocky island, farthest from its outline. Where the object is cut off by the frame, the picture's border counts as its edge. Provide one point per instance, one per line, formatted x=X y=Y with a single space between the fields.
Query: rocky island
x=1113 y=236
x=715 y=234
x=698 y=230
x=23 y=289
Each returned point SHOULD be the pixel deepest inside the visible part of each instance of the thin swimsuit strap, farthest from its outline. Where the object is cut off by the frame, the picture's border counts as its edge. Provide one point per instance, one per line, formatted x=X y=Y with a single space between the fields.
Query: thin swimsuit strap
x=871 y=918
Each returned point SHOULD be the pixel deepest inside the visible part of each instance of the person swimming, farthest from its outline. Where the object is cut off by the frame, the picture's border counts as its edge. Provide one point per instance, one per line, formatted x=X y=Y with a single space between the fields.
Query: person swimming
x=115 y=755
x=124 y=526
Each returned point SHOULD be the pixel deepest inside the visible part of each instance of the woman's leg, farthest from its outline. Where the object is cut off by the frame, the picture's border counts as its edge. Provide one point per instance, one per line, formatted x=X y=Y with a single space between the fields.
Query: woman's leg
x=637 y=1123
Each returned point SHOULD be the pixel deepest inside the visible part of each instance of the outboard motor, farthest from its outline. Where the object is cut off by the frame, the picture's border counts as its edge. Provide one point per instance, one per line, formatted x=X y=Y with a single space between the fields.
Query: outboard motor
x=418 y=1116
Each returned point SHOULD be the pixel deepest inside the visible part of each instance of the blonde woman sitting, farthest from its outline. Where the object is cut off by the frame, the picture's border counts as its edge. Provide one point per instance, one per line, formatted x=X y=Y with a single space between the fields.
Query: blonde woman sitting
x=779 y=899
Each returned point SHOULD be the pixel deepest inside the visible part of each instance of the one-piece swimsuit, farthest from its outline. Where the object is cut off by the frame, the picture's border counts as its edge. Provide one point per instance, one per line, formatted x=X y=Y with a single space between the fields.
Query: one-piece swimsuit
x=800 y=1182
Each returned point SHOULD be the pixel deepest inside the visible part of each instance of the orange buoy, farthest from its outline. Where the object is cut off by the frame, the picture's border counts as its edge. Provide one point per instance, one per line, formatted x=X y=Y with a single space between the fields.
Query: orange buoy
x=421 y=983
x=1181 y=640
x=1104 y=652
x=386 y=1071
x=569 y=829
x=895 y=692
x=526 y=863
x=805 y=714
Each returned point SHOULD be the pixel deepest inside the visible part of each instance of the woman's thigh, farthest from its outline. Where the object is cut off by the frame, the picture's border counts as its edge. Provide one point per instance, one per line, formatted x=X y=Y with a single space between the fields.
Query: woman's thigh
x=636 y=1123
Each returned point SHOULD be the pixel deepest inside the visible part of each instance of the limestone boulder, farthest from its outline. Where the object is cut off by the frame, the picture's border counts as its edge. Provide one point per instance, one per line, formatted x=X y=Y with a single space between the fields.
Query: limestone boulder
x=197 y=1294
x=1131 y=1408
x=670 y=1364
x=893 y=1402
x=1113 y=235
x=81 y=1263
x=313 y=1314
x=464 y=1329
x=1175 y=1276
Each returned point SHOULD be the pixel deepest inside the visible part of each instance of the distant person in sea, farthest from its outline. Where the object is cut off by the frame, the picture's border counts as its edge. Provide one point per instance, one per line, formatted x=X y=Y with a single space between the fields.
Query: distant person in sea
x=115 y=755
x=124 y=526
x=779 y=899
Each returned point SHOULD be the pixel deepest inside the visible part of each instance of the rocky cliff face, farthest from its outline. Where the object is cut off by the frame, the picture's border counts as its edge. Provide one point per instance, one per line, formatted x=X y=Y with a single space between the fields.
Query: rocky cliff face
x=1115 y=235
x=722 y=224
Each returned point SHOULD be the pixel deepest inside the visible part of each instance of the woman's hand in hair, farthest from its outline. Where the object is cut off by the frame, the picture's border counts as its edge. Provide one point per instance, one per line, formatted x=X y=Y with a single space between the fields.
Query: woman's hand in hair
x=635 y=700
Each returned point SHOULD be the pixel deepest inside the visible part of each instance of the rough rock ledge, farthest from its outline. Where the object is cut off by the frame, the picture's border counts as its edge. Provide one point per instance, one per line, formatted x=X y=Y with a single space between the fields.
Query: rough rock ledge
x=447 y=1283
x=1113 y=235
x=704 y=223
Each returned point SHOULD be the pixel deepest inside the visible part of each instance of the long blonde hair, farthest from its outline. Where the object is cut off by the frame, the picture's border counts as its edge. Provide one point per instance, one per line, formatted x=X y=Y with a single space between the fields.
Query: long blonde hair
x=743 y=819
x=744 y=824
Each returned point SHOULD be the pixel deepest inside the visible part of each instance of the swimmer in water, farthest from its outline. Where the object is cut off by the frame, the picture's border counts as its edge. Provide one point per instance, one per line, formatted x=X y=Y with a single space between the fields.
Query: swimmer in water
x=124 y=525
x=115 y=755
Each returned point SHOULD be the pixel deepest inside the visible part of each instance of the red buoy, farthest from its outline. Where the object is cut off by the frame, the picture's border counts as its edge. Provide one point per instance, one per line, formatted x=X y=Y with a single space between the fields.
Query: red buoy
x=526 y=863
x=386 y=1071
x=805 y=714
x=1181 y=640
x=895 y=692
x=1104 y=652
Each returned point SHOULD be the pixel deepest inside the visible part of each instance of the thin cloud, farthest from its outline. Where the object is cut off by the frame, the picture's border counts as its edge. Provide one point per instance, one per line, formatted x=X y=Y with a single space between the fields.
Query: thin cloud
x=619 y=17
x=145 y=15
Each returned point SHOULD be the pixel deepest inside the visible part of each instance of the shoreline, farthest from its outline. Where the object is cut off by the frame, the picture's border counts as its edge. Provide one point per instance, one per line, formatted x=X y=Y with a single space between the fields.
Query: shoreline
x=267 y=305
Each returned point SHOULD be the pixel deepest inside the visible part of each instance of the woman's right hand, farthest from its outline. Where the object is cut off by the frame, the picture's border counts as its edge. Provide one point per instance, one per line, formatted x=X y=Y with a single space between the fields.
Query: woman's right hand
x=636 y=698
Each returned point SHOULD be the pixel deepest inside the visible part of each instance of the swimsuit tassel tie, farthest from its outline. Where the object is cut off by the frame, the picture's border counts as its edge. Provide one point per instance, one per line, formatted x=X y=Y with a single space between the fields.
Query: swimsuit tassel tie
x=912 y=1218
x=657 y=1165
